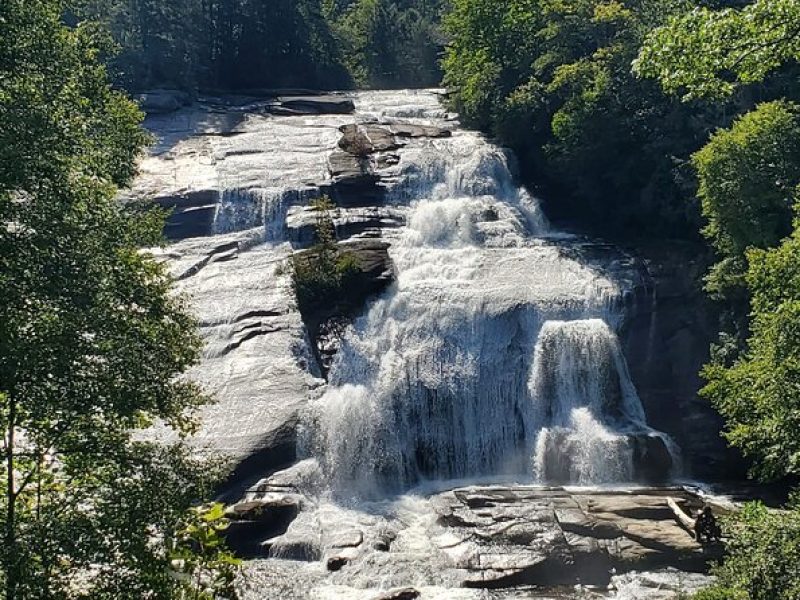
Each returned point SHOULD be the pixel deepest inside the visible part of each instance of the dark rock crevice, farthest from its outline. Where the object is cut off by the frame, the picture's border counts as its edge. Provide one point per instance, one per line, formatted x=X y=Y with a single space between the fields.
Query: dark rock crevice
x=667 y=338
x=256 y=330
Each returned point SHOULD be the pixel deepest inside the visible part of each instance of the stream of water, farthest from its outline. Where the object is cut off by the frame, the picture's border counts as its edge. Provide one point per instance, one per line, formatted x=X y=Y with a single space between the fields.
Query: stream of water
x=495 y=352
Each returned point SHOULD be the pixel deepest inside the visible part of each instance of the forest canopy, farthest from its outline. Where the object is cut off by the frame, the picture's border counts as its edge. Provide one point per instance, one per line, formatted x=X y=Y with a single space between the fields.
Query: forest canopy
x=249 y=44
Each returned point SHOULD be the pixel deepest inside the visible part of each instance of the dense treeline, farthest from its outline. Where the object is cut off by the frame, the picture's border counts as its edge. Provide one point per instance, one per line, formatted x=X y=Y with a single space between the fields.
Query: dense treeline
x=554 y=81
x=250 y=44
x=390 y=43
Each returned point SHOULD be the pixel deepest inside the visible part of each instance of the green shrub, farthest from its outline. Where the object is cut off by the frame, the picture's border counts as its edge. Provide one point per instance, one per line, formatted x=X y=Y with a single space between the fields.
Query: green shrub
x=320 y=274
x=763 y=560
x=347 y=265
x=719 y=593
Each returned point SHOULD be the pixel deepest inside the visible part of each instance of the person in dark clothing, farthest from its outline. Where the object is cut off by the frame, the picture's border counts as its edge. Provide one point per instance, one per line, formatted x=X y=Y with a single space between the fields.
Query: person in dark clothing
x=706 y=528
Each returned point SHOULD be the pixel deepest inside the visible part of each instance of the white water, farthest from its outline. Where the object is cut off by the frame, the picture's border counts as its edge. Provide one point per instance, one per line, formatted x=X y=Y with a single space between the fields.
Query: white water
x=494 y=359
x=583 y=397
x=495 y=352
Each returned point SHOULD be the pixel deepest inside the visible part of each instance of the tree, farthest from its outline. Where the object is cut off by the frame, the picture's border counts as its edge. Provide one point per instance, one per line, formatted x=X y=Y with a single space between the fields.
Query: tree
x=199 y=554
x=747 y=185
x=160 y=43
x=762 y=556
x=228 y=44
x=759 y=394
x=390 y=43
x=708 y=53
x=92 y=340
x=320 y=274
x=748 y=176
x=552 y=79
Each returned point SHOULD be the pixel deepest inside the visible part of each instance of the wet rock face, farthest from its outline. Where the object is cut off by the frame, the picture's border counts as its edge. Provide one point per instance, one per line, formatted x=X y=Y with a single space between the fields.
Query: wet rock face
x=256 y=363
x=668 y=333
x=217 y=160
x=230 y=168
x=652 y=461
x=368 y=222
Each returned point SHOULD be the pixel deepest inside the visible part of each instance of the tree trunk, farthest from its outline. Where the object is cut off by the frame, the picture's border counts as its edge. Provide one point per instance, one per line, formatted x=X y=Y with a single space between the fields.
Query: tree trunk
x=685 y=520
x=11 y=526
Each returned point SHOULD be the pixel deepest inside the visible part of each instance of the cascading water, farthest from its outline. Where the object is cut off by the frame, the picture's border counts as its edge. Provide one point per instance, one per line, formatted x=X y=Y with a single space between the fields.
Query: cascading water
x=493 y=354
x=493 y=358
x=239 y=210
x=585 y=403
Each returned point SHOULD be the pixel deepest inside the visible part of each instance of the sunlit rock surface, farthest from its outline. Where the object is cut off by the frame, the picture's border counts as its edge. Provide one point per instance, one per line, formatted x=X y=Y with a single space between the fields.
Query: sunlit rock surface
x=518 y=541
x=501 y=348
x=231 y=171
x=255 y=362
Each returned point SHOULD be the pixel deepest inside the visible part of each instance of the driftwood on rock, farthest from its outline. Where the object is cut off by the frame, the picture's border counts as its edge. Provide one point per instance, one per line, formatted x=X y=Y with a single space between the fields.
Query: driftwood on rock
x=685 y=520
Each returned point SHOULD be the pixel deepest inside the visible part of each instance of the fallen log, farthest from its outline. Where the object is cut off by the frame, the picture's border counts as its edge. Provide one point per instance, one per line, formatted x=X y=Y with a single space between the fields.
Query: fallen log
x=685 y=520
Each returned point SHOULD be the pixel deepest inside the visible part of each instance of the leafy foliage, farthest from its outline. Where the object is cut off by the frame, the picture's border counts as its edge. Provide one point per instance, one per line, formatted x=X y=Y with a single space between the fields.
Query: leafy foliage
x=762 y=556
x=321 y=273
x=250 y=44
x=748 y=176
x=199 y=554
x=92 y=340
x=553 y=80
x=759 y=393
x=708 y=53
x=387 y=43
x=231 y=44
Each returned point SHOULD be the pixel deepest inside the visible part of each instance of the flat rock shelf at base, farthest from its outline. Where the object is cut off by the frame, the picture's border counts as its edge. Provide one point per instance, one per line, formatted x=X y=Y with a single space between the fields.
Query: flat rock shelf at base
x=493 y=541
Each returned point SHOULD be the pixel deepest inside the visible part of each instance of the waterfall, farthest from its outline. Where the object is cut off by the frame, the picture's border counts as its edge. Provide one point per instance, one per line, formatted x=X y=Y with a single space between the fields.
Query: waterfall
x=494 y=353
x=242 y=209
x=585 y=405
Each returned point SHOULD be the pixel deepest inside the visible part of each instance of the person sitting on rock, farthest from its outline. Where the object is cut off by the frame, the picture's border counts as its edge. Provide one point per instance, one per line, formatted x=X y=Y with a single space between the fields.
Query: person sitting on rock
x=706 y=528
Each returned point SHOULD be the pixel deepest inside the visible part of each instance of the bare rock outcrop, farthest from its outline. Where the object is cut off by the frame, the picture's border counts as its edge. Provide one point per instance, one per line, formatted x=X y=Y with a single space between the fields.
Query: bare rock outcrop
x=502 y=537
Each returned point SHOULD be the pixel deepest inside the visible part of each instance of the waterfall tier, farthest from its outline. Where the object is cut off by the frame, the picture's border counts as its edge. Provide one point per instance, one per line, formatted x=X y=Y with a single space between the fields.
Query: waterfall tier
x=459 y=369
x=495 y=352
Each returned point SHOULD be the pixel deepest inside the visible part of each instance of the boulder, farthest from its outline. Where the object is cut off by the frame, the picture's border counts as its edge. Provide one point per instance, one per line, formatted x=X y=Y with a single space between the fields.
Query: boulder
x=163 y=101
x=363 y=140
x=267 y=508
x=256 y=520
x=335 y=563
x=350 y=169
x=316 y=105
x=412 y=130
x=652 y=460
x=354 y=182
